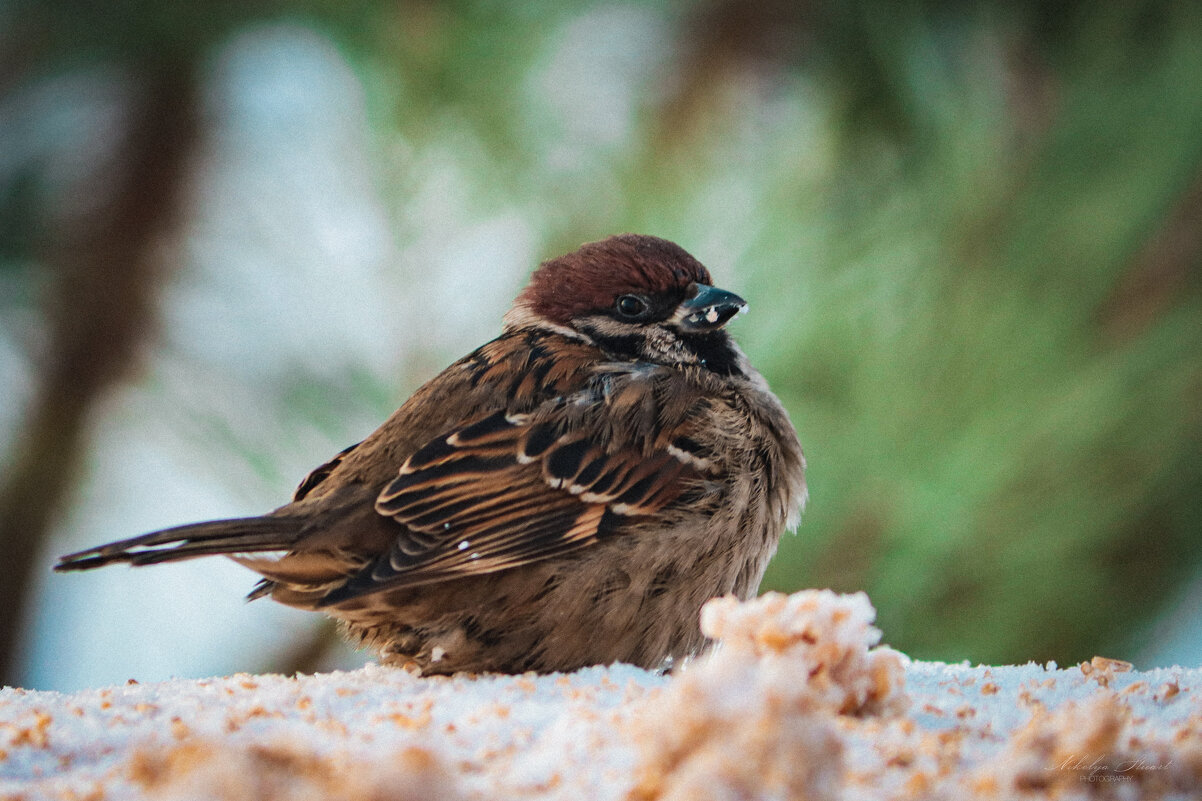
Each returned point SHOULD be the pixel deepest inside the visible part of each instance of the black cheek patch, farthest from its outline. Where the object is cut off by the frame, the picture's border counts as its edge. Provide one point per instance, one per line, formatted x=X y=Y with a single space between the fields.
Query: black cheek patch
x=714 y=352
x=625 y=346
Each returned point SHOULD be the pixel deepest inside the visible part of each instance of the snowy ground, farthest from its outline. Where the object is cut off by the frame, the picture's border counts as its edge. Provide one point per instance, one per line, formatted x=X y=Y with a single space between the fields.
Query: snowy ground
x=795 y=703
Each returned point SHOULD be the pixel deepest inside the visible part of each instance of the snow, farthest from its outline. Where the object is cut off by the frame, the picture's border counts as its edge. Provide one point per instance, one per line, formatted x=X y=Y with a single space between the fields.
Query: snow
x=797 y=701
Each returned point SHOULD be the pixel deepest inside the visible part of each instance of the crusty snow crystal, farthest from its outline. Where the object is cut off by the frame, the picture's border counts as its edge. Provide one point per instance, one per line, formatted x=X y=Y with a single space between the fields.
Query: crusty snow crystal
x=212 y=770
x=755 y=718
x=1085 y=749
x=795 y=701
x=825 y=637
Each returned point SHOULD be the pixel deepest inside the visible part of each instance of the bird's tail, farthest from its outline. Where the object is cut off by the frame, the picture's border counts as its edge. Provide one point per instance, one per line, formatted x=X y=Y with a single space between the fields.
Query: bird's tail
x=235 y=536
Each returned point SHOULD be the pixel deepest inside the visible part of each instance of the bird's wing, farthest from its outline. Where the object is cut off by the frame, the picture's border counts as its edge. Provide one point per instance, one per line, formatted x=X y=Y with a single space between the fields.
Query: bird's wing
x=321 y=473
x=510 y=489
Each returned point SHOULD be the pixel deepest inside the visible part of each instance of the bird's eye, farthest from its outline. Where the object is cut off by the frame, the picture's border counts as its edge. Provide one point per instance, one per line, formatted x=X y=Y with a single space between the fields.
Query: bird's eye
x=631 y=305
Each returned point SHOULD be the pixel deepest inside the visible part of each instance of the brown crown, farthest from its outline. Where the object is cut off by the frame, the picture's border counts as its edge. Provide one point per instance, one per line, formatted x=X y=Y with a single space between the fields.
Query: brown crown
x=591 y=278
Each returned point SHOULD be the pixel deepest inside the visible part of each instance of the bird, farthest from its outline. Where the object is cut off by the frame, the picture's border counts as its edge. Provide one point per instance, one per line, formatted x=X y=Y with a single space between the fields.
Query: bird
x=569 y=494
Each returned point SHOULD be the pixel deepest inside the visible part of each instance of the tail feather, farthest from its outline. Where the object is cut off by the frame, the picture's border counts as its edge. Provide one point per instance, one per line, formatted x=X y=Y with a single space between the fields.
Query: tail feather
x=238 y=535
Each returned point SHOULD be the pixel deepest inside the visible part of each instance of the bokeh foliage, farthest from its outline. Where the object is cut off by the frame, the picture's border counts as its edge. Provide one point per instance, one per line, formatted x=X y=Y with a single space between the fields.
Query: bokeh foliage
x=1006 y=363
x=971 y=234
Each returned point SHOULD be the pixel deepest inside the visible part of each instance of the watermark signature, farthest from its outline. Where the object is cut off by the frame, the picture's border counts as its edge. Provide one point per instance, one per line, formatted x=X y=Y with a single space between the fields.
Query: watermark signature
x=1102 y=769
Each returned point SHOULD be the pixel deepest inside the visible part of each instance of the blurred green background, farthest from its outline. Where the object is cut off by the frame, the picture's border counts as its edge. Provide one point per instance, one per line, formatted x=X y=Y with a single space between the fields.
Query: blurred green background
x=235 y=235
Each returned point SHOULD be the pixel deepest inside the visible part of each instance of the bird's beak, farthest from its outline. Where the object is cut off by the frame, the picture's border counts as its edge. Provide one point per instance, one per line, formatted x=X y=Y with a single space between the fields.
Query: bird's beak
x=708 y=309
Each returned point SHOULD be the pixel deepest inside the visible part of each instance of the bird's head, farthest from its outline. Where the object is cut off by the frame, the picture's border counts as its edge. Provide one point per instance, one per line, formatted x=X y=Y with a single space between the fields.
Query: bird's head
x=635 y=297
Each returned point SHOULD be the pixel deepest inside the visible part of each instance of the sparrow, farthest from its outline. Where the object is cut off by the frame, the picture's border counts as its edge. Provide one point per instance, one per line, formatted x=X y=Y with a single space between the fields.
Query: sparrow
x=569 y=494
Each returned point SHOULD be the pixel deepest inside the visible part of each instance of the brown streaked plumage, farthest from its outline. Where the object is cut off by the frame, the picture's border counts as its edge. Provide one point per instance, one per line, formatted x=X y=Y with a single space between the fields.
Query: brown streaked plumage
x=568 y=494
